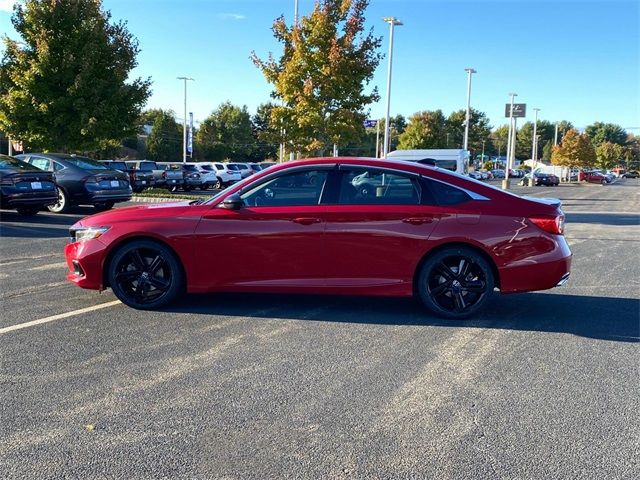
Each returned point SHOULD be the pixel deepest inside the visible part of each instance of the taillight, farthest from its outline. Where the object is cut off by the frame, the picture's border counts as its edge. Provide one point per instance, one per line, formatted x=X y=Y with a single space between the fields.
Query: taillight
x=550 y=223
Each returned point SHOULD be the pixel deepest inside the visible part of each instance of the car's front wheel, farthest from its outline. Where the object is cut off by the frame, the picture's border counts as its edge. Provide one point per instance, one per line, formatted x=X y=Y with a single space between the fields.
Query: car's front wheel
x=145 y=274
x=455 y=282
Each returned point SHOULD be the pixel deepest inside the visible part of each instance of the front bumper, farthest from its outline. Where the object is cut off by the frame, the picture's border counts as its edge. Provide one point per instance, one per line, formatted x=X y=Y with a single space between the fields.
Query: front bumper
x=84 y=261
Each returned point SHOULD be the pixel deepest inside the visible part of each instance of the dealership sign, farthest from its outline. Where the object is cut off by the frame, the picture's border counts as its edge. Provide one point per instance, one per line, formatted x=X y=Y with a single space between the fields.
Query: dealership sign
x=519 y=110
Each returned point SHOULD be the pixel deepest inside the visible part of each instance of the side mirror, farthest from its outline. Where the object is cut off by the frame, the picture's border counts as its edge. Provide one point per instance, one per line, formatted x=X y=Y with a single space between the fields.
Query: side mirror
x=232 y=202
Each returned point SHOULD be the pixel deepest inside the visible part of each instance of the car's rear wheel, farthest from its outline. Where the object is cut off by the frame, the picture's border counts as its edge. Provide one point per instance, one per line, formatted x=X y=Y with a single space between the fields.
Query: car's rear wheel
x=62 y=205
x=455 y=282
x=218 y=184
x=145 y=274
x=28 y=211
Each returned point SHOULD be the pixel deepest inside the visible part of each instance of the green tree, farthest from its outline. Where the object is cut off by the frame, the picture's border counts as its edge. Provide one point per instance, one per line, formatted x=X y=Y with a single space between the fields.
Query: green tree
x=479 y=130
x=499 y=138
x=425 y=130
x=65 y=85
x=546 y=151
x=608 y=155
x=266 y=135
x=227 y=133
x=563 y=127
x=164 y=143
x=575 y=151
x=327 y=60
x=601 y=132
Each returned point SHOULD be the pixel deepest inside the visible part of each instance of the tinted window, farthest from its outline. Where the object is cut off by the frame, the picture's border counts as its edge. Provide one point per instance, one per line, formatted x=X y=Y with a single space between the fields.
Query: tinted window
x=117 y=165
x=446 y=194
x=57 y=167
x=219 y=166
x=232 y=167
x=148 y=166
x=8 y=162
x=85 y=163
x=191 y=168
x=363 y=186
x=293 y=189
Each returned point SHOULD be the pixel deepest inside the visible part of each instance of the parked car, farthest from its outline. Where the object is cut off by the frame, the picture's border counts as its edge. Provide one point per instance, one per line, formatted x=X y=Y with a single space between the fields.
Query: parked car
x=191 y=177
x=475 y=175
x=498 y=173
x=25 y=187
x=81 y=181
x=632 y=174
x=546 y=179
x=149 y=166
x=265 y=165
x=139 y=179
x=593 y=177
x=244 y=169
x=208 y=175
x=225 y=176
x=449 y=239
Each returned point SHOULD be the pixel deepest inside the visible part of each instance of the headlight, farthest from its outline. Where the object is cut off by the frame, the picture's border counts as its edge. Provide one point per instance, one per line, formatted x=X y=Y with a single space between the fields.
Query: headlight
x=82 y=234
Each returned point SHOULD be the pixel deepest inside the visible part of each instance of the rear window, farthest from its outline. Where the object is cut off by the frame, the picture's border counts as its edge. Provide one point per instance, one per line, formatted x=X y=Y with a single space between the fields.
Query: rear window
x=8 y=162
x=86 y=163
x=233 y=167
x=207 y=167
x=117 y=165
x=219 y=166
x=148 y=166
x=191 y=168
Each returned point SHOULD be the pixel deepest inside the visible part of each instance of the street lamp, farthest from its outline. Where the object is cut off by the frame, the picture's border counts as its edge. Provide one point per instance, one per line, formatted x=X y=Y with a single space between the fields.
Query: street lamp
x=470 y=71
x=184 y=119
x=534 y=146
x=392 y=21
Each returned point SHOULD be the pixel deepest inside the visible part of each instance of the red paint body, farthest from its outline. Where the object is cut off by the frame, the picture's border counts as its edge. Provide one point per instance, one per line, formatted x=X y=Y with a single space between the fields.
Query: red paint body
x=330 y=248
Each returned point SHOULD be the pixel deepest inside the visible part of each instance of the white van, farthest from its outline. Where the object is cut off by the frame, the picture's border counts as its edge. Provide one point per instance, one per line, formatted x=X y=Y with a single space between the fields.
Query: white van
x=456 y=160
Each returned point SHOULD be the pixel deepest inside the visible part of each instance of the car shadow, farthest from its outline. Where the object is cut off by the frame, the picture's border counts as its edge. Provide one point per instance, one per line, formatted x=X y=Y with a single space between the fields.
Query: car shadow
x=604 y=218
x=614 y=319
x=46 y=218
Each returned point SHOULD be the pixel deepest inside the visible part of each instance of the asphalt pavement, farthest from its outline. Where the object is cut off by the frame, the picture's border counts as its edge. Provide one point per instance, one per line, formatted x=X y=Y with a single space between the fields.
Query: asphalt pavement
x=540 y=385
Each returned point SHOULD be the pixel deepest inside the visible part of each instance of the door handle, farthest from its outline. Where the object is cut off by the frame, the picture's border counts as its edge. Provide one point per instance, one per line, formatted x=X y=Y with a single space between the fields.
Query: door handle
x=417 y=220
x=306 y=220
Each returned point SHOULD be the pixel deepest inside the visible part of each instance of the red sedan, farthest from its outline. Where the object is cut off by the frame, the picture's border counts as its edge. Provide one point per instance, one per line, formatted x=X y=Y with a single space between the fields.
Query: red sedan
x=331 y=226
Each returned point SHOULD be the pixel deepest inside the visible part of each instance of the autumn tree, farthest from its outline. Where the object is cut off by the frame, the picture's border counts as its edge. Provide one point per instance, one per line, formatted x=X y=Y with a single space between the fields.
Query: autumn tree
x=479 y=129
x=608 y=155
x=65 y=85
x=327 y=61
x=425 y=130
x=576 y=150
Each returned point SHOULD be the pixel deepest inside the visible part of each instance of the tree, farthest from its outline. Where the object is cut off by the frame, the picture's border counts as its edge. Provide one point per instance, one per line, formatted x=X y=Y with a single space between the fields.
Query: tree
x=425 y=130
x=601 y=132
x=575 y=151
x=608 y=155
x=524 y=137
x=546 y=151
x=266 y=136
x=227 y=133
x=64 y=86
x=479 y=129
x=499 y=138
x=326 y=62
x=164 y=143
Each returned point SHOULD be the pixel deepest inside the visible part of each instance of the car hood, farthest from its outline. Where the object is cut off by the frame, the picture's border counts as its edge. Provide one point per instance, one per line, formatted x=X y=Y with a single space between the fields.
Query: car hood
x=136 y=213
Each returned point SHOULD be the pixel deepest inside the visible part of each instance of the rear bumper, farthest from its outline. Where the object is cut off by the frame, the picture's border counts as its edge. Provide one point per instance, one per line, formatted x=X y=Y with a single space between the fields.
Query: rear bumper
x=28 y=199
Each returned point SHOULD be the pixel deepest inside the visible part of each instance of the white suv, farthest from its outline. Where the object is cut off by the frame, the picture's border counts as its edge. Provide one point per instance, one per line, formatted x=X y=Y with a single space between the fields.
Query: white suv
x=222 y=175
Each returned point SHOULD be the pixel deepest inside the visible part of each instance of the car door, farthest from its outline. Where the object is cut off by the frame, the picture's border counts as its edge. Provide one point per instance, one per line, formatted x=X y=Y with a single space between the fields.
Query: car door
x=275 y=241
x=378 y=230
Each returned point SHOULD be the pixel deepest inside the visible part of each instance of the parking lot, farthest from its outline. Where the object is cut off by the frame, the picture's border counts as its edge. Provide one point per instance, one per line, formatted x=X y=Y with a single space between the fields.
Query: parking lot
x=540 y=385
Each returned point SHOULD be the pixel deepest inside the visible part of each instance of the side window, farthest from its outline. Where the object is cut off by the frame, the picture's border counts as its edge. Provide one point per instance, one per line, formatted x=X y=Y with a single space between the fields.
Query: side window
x=57 y=167
x=446 y=194
x=363 y=186
x=41 y=163
x=219 y=166
x=293 y=189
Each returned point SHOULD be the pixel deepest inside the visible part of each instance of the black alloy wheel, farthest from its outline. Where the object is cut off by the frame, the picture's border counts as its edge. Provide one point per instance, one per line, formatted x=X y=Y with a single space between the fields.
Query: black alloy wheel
x=62 y=205
x=455 y=282
x=145 y=275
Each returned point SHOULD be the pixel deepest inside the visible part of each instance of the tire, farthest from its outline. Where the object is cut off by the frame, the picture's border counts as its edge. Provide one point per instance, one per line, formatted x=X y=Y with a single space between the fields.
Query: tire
x=103 y=207
x=145 y=275
x=187 y=188
x=452 y=289
x=63 y=203
x=28 y=211
x=218 y=184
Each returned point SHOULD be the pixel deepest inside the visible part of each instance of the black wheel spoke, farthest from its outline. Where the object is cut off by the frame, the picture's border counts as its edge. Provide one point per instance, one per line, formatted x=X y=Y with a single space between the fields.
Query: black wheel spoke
x=446 y=271
x=440 y=289
x=463 y=268
x=137 y=260
x=459 y=303
x=128 y=275
x=158 y=283
x=475 y=286
x=155 y=264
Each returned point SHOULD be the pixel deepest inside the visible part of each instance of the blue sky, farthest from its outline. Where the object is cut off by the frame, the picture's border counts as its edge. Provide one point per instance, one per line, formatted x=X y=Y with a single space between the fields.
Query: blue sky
x=576 y=60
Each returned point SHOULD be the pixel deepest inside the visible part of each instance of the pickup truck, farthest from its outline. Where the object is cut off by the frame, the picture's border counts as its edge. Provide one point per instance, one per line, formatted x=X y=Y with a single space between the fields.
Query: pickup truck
x=139 y=179
x=149 y=166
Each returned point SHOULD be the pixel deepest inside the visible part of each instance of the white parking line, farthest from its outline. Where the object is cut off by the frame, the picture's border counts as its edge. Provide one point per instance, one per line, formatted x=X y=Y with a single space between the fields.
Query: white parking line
x=50 y=266
x=60 y=316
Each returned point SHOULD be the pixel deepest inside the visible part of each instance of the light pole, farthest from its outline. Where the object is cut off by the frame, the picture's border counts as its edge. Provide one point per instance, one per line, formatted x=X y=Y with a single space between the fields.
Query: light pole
x=511 y=140
x=470 y=71
x=392 y=21
x=534 y=150
x=295 y=12
x=555 y=137
x=184 y=119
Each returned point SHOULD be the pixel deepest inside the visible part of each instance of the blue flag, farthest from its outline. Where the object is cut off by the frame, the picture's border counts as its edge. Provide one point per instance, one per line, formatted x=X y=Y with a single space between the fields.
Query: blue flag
x=190 y=138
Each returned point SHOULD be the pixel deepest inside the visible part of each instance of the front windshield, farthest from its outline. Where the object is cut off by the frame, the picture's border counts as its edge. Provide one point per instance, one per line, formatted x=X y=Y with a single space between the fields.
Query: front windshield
x=86 y=163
